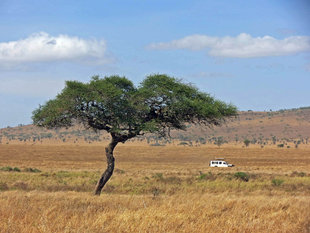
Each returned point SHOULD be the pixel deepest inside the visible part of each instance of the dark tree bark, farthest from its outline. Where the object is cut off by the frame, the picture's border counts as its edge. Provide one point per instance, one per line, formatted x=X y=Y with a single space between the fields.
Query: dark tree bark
x=110 y=166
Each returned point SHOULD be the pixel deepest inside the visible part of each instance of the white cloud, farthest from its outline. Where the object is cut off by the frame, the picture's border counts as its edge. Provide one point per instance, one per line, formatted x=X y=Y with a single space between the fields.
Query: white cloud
x=43 y=47
x=241 y=46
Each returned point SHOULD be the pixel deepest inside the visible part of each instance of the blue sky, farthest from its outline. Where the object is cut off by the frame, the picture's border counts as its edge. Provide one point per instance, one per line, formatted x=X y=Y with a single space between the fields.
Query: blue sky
x=254 y=54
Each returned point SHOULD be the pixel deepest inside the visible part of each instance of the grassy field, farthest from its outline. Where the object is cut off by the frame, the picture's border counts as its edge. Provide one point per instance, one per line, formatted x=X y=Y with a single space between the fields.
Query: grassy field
x=49 y=188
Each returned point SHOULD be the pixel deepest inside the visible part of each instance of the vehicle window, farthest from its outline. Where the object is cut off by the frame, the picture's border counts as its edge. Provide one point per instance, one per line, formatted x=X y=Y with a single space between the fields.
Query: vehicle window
x=220 y=162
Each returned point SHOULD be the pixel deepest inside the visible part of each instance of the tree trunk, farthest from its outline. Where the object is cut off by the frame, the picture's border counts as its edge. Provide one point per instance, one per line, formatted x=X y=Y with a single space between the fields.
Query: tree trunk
x=110 y=166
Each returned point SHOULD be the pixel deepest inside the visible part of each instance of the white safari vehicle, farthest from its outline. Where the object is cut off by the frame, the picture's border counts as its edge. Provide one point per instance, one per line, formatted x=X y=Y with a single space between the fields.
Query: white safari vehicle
x=220 y=162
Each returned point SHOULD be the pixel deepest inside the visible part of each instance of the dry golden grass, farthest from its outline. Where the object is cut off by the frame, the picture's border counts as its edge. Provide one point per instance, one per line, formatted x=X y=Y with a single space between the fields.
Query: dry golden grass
x=136 y=156
x=154 y=189
x=81 y=212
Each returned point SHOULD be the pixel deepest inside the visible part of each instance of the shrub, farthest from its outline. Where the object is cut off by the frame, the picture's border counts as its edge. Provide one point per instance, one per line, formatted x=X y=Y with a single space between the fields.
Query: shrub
x=277 y=182
x=29 y=169
x=10 y=169
x=6 y=169
x=298 y=174
x=242 y=176
x=204 y=176
x=246 y=142
x=183 y=144
x=157 y=144
x=16 y=169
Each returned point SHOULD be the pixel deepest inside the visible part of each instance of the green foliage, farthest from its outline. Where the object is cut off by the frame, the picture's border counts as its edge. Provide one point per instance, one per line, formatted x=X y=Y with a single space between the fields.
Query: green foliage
x=206 y=176
x=183 y=144
x=6 y=169
x=277 y=182
x=16 y=169
x=242 y=176
x=202 y=140
x=113 y=104
x=246 y=142
x=157 y=144
x=10 y=169
x=219 y=141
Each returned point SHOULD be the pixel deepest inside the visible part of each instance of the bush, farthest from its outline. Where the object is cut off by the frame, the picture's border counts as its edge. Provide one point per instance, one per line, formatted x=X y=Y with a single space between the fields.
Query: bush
x=6 y=169
x=277 y=182
x=298 y=174
x=204 y=176
x=157 y=144
x=29 y=169
x=16 y=169
x=246 y=142
x=10 y=169
x=242 y=176
x=183 y=144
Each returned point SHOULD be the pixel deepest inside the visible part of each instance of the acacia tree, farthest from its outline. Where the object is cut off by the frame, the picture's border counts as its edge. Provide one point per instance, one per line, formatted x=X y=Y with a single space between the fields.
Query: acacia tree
x=115 y=105
x=246 y=142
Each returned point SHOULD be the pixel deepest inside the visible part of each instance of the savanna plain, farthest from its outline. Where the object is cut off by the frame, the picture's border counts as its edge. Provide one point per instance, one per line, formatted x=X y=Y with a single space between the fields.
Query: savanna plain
x=49 y=188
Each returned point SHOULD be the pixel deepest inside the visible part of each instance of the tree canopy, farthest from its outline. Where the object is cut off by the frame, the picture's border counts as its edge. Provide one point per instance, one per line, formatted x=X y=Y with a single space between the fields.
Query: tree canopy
x=115 y=105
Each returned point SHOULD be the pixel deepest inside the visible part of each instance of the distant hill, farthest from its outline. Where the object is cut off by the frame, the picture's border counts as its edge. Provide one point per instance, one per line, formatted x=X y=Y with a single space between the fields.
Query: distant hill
x=275 y=126
x=262 y=128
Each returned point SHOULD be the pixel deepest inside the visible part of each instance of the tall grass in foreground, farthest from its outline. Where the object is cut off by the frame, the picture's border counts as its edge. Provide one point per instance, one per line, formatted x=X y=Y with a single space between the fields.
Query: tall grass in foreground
x=81 y=212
